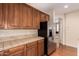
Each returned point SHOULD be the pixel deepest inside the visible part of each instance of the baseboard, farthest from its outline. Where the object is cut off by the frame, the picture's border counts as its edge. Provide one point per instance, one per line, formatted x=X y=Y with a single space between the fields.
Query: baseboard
x=63 y=45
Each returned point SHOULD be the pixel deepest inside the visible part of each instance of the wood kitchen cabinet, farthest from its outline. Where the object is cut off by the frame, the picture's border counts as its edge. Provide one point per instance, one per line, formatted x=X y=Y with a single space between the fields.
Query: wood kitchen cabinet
x=32 y=49
x=26 y=16
x=1 y=17
x=40 y=47
x=16 y=51
x=13 y=16
x=6 y=52
x=44 y=17
x=30 y=17
x=1 y=53
x=47 y=17
x=20 y=16
x=35 y=48
x=23 y=16
x=5 y=14
x=36 y=19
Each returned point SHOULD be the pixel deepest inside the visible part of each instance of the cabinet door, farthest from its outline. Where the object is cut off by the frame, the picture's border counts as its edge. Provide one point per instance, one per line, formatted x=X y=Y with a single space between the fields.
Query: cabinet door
x=5 y=13
x=13 y=15
x=23 y=16
x=47 y=17
x=40 y=47
x=6 y=53
x=17 y=51
x=36 y=19
x=32 y=51
x=1 y=17
x=44 y=17
x=30 y=17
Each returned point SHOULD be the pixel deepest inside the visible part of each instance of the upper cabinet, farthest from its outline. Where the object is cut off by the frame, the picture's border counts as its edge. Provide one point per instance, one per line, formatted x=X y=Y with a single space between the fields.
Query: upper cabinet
x=26 y=16
x=1 y=17
x=13 y=16
x=36 y=18
x=23 y=16
x=30 y=17
x=20 y=16
x=43 y=17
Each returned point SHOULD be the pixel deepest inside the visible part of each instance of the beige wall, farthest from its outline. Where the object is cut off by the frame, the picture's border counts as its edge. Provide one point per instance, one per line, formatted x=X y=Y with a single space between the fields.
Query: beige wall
x=72 y=28
x=69 y=32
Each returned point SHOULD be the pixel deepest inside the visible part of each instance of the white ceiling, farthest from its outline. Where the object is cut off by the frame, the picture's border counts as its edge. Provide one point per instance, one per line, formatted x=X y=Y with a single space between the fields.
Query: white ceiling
x=58 y=7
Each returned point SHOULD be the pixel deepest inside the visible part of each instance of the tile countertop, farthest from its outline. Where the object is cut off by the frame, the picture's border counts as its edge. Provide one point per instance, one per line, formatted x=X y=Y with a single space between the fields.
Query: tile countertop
x=10 y=43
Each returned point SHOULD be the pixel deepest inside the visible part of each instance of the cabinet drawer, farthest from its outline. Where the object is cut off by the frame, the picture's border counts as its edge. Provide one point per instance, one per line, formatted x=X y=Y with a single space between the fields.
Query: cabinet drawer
x=15 y=49
x=32 y=44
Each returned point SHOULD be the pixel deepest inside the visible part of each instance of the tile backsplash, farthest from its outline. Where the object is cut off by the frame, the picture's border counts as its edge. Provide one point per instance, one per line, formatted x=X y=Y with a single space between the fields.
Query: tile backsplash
x=7 y=33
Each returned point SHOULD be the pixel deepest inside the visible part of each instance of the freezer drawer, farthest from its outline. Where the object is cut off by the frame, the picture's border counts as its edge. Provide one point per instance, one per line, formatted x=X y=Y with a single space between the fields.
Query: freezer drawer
x=51 y=47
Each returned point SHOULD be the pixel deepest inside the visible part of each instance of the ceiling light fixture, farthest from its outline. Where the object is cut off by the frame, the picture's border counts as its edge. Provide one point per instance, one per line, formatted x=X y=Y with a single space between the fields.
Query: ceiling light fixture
x=66 y=6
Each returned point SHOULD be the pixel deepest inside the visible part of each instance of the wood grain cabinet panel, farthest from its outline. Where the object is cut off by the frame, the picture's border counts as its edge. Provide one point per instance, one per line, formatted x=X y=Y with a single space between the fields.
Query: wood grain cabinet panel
x=30 y=17
x=13 y=16
x=16 y=15
x=20 y=16
x=23 y=16
x=32 y=44
x=1 y=53
x=40 y=47
x=6 y=53
x=1 y=17
x=32 y=49
x=16 y=51
x=44 y=17
x=26 y=16
x=47 y=17
x=36 y=19
x=5 y=13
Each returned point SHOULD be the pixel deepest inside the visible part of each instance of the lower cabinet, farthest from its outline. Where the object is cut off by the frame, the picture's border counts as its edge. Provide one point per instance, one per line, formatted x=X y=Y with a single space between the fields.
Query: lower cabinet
x=35 y=48
x=1 y=53
x=32 y=49
x=40 y=47
x=6 y=53
x=16 y=51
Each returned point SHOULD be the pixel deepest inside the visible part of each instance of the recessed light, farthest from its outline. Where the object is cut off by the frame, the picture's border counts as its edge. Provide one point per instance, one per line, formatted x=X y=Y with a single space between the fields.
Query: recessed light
x=66 y=6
